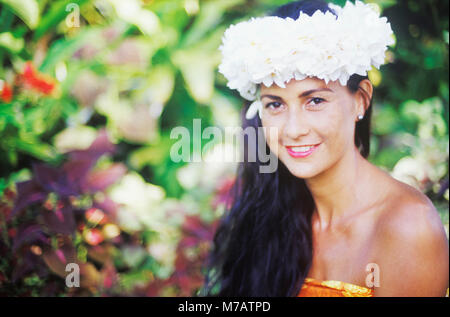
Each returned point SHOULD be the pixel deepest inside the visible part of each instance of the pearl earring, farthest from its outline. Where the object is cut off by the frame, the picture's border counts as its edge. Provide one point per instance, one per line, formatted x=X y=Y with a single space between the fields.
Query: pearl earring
x=360 y=117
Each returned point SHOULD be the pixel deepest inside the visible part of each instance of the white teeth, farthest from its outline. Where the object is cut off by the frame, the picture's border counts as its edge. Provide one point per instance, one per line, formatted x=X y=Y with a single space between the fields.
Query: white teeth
x=301 y=148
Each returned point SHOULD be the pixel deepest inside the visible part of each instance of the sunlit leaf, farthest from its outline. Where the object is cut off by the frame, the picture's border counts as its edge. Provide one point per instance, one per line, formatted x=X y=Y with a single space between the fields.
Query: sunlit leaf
x=132 y=12
x=375 y=76
x=208 y=18
x=27 y=10
x=75 y=138
x=36 y=149
x=198 y=73
x=161 y=82
x=10 y=42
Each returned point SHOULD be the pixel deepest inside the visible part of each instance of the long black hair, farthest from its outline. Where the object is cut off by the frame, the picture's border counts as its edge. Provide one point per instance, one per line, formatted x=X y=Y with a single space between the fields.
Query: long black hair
x=263 y=244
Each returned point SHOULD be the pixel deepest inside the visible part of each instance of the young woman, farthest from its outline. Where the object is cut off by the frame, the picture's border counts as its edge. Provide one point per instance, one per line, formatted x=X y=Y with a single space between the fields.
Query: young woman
x=327 y=222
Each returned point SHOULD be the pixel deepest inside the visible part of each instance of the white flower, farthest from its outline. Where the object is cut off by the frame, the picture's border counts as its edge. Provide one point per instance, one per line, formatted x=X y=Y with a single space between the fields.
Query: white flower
x=270 y=50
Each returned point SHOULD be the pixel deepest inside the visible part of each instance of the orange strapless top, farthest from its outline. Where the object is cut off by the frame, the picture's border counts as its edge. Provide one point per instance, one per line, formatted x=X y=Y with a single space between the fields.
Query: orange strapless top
x=316 y=288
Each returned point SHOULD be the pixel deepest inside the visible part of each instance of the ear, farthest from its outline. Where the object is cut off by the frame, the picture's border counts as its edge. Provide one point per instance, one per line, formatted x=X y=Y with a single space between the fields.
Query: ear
x=363 y=96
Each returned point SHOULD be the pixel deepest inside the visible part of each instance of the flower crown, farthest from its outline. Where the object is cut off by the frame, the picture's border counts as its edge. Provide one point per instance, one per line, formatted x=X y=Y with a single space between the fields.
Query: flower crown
x=274 y=50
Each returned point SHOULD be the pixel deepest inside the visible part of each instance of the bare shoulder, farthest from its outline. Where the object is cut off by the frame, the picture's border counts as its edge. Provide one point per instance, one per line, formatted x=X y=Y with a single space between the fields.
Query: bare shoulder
x=409 y=213
x=411 y=244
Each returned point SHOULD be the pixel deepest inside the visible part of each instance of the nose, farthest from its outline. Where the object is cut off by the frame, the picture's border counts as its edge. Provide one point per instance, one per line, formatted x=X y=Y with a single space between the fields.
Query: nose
x=296 y=125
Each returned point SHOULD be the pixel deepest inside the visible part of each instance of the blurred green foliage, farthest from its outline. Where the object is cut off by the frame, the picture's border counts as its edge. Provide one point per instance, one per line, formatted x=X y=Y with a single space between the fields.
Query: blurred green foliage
x=70 y=68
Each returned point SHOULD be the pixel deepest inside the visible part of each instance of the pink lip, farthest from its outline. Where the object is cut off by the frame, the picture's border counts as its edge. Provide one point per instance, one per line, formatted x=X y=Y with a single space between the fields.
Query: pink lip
x=301 y=154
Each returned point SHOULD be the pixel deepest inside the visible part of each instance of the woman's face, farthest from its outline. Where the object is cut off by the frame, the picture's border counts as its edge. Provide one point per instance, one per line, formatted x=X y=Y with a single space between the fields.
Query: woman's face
x=310 y=113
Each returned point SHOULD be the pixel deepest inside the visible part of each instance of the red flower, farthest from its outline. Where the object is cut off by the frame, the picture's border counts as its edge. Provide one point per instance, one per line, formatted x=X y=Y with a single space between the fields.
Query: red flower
x=93 y=236
x=6 y=92
x=96 y=216
x=36 y=80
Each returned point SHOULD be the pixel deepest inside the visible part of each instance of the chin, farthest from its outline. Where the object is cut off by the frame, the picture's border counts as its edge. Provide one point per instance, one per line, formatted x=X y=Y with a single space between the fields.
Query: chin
x=302 y=170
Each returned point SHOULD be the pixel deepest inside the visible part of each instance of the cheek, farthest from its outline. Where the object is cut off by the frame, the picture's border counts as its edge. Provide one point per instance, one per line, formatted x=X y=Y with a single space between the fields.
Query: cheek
x=272 y=132
x=336 y=129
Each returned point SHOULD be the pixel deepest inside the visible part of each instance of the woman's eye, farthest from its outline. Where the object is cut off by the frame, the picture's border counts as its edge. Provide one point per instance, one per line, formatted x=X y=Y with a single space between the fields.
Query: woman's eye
x=273 y=105
x=316 y=100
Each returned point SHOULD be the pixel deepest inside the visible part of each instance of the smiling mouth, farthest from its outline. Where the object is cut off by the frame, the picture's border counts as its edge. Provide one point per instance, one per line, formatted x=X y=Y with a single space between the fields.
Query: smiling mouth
x=301 y=151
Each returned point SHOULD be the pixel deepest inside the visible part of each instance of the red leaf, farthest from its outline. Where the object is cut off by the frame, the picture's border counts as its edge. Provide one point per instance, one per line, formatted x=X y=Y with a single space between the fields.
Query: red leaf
x=28 y=192
x=100 y=146
x=100 y=180
x=29 y=234
x=54 y=180
x=57 y=259
x=107 y=205
x=77 y=170
x=61 y=220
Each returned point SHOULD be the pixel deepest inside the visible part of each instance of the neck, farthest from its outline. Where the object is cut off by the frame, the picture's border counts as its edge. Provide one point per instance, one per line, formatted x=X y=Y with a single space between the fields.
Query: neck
x=339 y=190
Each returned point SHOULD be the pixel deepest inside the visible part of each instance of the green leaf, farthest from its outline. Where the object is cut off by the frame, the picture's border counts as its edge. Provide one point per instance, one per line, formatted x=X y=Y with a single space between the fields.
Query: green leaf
x=153 y=155
x=134 y=279
x=55 y=15
x=161 y=81
x=63 y=49
x=389 y=156
x=39 y=150
x=2 y=186
x=26 y=10
x=384 y=4
x=132 y=12
x=8 y=41
x=197 y=68
x=385 y=120
x=171 y=14
x=208 y=19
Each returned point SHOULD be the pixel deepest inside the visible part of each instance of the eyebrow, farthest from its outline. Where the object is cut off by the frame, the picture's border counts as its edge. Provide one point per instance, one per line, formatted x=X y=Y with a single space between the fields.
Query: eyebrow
x=303 y=94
